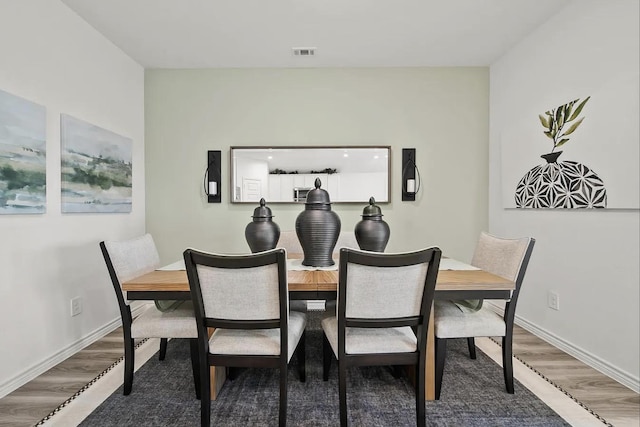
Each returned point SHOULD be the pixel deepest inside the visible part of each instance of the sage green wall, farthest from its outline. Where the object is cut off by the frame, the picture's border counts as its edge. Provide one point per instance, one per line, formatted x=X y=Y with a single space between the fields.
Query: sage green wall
x=442 y=112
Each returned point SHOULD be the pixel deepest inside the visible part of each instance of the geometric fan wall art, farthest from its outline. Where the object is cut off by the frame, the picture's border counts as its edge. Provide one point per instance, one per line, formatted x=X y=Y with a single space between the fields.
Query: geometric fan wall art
x=561 y=184
x=600 y=165
x=565 y=184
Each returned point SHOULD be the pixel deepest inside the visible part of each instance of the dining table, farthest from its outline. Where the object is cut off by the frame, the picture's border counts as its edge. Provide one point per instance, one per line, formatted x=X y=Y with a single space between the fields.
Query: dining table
x=456 y=281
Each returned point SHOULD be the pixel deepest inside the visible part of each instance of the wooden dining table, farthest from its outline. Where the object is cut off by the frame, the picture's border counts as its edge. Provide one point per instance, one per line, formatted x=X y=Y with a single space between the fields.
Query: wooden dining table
x=453 y=284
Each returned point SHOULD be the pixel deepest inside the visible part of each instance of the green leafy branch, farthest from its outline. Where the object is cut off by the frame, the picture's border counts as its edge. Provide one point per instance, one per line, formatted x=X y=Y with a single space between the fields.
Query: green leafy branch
x=555 y=120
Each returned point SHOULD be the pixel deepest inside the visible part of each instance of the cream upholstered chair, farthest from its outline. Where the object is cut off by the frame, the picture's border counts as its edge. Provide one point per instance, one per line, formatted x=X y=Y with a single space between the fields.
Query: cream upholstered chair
x=346 y=239
x=506 y=258
x=289 y=241
x=384 y=305
x=131 y=258
x=245 y=298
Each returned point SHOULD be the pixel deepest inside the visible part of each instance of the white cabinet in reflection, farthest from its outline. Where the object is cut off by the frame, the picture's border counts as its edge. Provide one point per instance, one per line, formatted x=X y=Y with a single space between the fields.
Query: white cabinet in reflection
x=282 y=186
x=332 y=185
x=286 y=188
x=310 y=180
x=342 y=187
x=274 y=172
x=275 y=193
x=351 y=186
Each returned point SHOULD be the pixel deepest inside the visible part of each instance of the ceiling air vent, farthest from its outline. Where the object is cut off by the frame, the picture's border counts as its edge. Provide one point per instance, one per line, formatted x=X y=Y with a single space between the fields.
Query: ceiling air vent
x=304 y=51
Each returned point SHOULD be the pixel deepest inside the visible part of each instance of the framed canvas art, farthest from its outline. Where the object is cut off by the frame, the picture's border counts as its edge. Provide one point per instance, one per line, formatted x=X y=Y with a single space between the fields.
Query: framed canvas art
x=95 y=168
x=22 y=156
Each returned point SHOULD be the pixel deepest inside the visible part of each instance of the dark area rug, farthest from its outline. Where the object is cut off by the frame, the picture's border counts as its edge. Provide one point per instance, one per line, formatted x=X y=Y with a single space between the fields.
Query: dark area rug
x=473 y=394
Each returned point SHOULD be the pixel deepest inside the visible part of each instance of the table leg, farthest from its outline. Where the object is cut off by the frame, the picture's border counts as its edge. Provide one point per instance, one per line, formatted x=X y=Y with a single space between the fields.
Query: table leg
x=218 y=377
x=217 y=374
x=430 y=368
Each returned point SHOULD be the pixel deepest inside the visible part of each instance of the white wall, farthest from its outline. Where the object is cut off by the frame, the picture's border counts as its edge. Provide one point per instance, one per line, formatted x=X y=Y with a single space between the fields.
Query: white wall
x=442 y=112
x=52 y=57
x=590 y=258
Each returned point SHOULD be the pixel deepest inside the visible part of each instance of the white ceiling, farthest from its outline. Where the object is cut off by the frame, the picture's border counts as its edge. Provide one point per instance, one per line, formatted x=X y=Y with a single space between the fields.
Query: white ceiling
x=346 y=33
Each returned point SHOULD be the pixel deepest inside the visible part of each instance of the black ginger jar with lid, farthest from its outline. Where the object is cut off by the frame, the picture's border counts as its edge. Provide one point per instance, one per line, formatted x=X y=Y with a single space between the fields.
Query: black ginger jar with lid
x=262 y=233
x=318 y=228
x=372 y=232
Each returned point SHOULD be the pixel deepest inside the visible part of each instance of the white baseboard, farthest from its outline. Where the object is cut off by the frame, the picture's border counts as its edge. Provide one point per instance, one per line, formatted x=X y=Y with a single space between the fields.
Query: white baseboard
x=584 y=356
x=51 y=361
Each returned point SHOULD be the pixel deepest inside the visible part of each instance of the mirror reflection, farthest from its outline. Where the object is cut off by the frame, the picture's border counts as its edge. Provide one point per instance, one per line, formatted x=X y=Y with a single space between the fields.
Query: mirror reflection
x=287 y=174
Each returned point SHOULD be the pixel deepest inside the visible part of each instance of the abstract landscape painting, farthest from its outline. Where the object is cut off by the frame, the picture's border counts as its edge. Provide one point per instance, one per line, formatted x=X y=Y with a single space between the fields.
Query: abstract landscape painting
x=22 y=156
x=95 y=168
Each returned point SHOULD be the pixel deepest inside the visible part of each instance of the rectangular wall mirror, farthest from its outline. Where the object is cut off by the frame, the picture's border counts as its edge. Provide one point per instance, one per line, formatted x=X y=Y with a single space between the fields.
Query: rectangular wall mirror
x=286 y=174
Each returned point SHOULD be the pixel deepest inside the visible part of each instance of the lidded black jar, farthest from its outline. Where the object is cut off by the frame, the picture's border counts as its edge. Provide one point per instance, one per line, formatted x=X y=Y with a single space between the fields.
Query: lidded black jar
x=262 y=233
x=318 y=228
x=372 y=233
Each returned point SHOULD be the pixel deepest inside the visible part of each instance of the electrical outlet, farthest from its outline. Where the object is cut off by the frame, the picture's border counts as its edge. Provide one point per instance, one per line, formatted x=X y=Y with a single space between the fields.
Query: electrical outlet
x=76 y=306
x=553 y=300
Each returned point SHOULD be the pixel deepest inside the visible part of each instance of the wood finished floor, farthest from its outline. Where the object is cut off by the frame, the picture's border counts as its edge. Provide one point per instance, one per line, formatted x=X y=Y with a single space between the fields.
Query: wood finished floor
x=610 y=400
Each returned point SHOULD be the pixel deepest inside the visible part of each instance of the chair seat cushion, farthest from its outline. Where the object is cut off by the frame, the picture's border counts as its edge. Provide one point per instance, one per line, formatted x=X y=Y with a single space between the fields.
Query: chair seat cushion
x=153 y=323
x=257 y=341
x=451 y=322
x=370 y=340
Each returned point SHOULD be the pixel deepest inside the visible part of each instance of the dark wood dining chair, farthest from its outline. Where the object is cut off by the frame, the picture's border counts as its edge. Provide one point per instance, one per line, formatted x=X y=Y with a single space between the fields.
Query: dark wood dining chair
x=125 y=260
x=384 y=306
x=289 y=241
x=246 y=299
x=507 y=258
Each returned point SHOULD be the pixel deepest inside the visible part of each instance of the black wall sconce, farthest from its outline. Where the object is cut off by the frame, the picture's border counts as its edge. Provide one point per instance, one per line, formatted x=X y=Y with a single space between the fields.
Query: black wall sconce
x=212 y=184
x=410 y=175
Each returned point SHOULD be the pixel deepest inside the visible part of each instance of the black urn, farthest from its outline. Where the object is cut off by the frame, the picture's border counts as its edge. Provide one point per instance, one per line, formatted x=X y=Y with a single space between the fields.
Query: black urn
x=318 y=228
x=262 y=233
x=372 y=233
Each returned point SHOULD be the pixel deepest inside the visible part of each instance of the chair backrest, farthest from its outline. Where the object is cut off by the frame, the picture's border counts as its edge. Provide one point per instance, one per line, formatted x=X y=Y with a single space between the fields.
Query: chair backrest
x=239 y=291
x=127 y=259
x=387 y=290
x=506 y=258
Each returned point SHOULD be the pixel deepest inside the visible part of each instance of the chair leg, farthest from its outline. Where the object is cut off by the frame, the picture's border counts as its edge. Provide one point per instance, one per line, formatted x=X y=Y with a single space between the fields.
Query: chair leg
x=129 y=362
x=233 y=372
x=283 y=394
x=327 y=354
x=396 y=371
x=420 y=395
x=471 y=343
x=507 y=361
x=163 y=348
x=342 y=387
x=301 y=355
x=441 y=353
x=195 y=364
x=205 y=391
